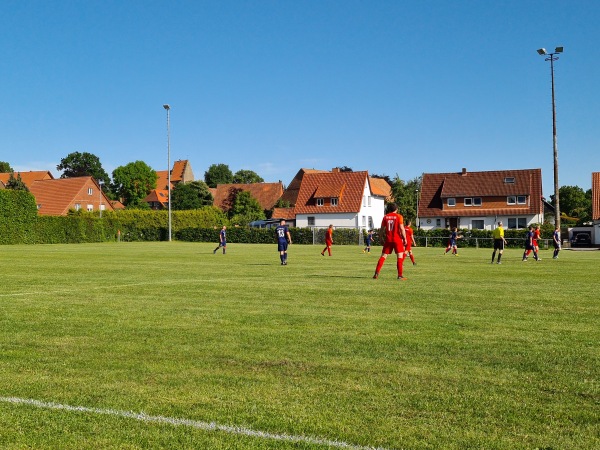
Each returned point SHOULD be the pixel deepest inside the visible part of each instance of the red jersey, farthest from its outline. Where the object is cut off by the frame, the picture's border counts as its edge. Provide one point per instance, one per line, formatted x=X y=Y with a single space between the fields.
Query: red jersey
x=329 y=235
x=536 y=236
x=391 y=222
x=409 y=237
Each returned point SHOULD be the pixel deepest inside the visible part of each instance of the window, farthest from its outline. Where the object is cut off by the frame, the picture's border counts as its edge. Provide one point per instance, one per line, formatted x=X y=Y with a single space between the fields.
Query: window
x=90 y=208
x=369 y=200
x=477 y=201
x=451 y=202
x=438 y=222
x=77 y=206
x=521 y=200
x=320 y=202
x=477 y=224
x=468 y=201
x=509 y=180
x=364 y=200
x=364 y=221
x=371 y=223
x=473 y=201
x=39 y=205
x=517 y=223
x=90 y=191
x=334 y=201
x=511 y=200
x=311 y=221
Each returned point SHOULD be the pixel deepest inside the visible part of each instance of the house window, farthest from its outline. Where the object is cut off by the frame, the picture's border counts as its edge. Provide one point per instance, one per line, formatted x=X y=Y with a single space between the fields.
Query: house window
x=509 y=180
x=320 y=202
x=311 y=221
x=90 y=191
x=477 y=201
x=468 y=201
x=371 y=223
x=511 y=200
x=90 y=208
x=334 y=201
x=364 y=200
x=451 y=202
x=364 y=221
x=77 y=206
x=39 y=205
x=521 y=200
x=369 y=200
x=517 y=223
x=477 y=224
x=438 y=222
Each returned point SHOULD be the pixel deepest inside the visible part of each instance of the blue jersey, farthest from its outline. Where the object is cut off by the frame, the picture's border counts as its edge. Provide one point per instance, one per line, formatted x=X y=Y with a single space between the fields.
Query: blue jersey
x=223 y=236
x=282 y=232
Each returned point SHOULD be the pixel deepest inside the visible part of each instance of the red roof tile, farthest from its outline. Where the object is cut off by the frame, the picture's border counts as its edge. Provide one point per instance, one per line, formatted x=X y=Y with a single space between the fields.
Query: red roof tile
x=348 y=187
x=28 y=177
x=267 y=194
x=57 y=197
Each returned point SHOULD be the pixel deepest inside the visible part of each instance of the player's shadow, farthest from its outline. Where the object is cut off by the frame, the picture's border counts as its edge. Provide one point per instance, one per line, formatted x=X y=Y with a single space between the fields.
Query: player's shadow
x=336 y=276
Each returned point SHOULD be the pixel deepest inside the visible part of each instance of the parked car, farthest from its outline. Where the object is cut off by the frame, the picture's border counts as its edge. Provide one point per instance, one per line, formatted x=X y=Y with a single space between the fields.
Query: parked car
x=582 y=239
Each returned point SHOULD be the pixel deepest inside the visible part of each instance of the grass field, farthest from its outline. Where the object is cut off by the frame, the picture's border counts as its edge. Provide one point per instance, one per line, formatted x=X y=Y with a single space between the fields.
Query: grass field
x=165 y=345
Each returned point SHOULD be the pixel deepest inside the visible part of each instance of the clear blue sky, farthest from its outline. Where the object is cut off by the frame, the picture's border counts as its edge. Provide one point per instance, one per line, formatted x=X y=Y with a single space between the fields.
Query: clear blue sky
x=392 y=87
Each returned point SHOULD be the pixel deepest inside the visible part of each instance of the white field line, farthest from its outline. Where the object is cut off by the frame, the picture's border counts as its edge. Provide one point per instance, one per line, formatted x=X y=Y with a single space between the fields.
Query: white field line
x=207 y=426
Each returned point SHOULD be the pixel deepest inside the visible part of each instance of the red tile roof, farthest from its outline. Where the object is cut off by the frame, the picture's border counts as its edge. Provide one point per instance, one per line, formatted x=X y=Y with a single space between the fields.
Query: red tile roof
x=162 y=182
x=438 y=186
x=284 y=213
x=595 y=195
x=291 y=192
x=380 y=188
x=348 y=187
x=57 y=197
x=267 y=194
x=158 y=196
x=28 y=177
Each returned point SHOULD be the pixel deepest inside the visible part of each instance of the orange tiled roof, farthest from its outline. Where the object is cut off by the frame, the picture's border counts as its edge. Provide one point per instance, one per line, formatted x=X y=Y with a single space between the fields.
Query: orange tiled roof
x=348 y=187
x=267 y=194
x=291 y=192
x=380 y=187
x=284 y=213
x=28 y=177
x=438 y=186
x=56 y=197
x=158 y=195
x=595 y=195
x=162 y=182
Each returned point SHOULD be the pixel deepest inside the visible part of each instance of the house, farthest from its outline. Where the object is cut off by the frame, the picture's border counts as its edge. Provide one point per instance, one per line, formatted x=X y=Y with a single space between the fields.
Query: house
x=344 y=199
x=55 y=197
x=181 y=173
x=27 y=177
x=267 y=194
x=478 y=200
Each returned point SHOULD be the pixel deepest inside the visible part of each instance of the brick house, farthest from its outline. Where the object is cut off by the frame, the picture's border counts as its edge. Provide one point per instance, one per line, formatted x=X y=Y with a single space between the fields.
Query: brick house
x=55 y=197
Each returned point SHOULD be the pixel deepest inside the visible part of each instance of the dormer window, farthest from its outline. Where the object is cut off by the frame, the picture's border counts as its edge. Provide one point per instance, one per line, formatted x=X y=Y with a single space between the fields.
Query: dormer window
x=90 y=191
x=509 y=180
x=521 y=200
x=334 y=201
x=320 y=202
x=451 y=202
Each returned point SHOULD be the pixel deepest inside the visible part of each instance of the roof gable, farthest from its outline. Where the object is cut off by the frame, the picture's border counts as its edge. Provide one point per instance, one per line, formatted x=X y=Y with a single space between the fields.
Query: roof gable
x=27 y=177
x=57 y=196
x=348 y=187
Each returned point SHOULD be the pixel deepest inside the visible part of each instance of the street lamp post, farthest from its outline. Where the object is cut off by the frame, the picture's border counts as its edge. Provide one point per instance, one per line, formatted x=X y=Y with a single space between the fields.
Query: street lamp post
x=552 y=57
x=168 y=108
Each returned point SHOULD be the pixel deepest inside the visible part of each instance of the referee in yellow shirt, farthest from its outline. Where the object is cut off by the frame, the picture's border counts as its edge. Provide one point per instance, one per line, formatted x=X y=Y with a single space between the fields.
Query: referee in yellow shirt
x=499 y=242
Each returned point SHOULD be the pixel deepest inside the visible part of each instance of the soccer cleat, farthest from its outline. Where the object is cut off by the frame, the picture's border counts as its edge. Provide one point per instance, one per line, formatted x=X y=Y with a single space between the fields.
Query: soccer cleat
x=498 y=262
x=414 y=264
x=214 y=252
x=524 y=260
x=375 y=276
x=402 y=278
x=322 y=254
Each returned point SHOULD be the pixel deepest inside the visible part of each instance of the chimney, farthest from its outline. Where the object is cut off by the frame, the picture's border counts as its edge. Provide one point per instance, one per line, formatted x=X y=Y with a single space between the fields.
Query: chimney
x=336 y=170
x=464 y=171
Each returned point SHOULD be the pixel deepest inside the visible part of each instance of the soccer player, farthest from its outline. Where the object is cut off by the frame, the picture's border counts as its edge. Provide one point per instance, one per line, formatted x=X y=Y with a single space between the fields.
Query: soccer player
x=499 y=242
x=283 y=239
x=222 y=240
x=452 y=242
x=410 y=241
x=328 y=240
x=392 y=228
x=369 y=240
x=529 y=245
x=536 y=236
x=556 y=242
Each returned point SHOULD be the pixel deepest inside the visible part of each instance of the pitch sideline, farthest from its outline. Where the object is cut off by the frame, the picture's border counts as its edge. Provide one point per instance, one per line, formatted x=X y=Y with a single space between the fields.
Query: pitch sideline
x=207 y=426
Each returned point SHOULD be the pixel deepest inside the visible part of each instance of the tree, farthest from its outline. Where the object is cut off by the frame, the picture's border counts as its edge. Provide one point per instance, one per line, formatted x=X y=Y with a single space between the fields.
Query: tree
x=133 y=182
x=405 y=196
x=5 y=167
x=84 y=164
x=218 y=174
x=192 y=195
x=575 y=202
x=16 y=184
x=246 y=209
x=247 y=177
x=345 y=169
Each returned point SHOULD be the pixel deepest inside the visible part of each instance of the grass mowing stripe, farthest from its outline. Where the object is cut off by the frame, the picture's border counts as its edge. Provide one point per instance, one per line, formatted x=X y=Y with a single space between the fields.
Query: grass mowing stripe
x=207 y=426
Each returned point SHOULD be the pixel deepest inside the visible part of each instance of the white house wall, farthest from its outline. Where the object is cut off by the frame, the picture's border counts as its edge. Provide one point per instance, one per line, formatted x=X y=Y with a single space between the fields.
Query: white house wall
x=430 y=223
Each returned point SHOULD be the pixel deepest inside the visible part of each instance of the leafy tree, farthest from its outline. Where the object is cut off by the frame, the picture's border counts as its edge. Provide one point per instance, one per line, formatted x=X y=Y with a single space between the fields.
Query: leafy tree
x=247 y=177
x=345 y=169
x=218 y=174
x=192 y=195
x=5 y=167
x=133 y=182
x=405 y=196
x=246 y=209
x=575 y=202
x=78 y=164
x=16 y=184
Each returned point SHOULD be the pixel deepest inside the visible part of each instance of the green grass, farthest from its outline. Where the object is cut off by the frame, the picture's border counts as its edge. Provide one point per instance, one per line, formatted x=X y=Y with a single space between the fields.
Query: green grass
x=465 y=354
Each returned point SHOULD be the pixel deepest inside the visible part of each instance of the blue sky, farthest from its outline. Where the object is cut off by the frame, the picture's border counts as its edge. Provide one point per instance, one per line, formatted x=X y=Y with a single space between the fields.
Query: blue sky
x=392 y=87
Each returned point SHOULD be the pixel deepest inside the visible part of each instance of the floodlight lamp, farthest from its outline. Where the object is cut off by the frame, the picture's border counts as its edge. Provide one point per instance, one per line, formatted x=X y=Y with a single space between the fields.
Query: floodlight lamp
x=558 y=50
x=167 y=107
x=541 y=51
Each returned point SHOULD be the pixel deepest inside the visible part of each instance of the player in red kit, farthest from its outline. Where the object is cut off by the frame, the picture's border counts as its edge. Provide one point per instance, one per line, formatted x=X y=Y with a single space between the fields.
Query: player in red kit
x=410 y=241
x=392 y=229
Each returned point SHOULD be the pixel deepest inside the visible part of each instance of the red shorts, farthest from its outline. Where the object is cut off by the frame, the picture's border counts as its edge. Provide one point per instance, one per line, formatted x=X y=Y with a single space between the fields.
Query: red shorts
x=389 y=247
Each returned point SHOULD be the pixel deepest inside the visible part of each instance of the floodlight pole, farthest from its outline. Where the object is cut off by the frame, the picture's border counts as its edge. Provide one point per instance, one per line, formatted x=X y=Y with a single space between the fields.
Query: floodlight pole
x=417 y=215
x=552 y=57
x=100 y=203
x=168 y=108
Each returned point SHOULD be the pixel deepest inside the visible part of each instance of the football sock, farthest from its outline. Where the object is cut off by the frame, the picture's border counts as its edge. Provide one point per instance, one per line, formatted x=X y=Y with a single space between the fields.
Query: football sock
x=494 y=255
x=379 y=264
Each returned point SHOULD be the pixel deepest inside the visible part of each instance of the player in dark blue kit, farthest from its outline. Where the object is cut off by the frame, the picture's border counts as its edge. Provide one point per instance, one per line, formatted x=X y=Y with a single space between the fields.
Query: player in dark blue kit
x=454 y=236
x=283 y=239
x=529 y=245
x=222 y=240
